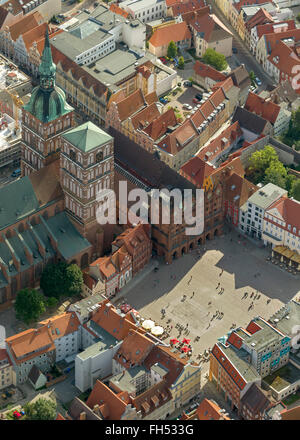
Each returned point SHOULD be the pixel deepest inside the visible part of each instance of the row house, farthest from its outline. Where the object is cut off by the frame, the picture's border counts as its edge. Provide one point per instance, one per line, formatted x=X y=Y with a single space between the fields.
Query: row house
x=207 y=410
x=245 y=15
x=255 y=403
x=237 y=192
x=252 y=213
x=245 y=356
x=281 y=230
x=210 y=33
x=9 y=34
x=252 y=125
x=7 y=373
x=52 y=341
x=278 y=115
x=261 y=17
x=161 y=38
x=206 y=76
x=144 y=10
x=113 y=272
x=268 y=42
x=12 y=12
x=269 y=27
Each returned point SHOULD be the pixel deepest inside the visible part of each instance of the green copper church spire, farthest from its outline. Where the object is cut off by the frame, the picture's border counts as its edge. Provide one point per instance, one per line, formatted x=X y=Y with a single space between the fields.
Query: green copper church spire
x=47 y=68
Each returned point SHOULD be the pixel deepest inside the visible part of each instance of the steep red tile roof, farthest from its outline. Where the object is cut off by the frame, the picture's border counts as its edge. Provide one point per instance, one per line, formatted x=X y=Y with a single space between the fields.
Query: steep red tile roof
x=242 y=3
x=285 y=60
x=3 y=14
x=191 y=15
x=291 y=414
x=238 y=190
x=105 y=266
x=196 y=171
x=61 y=325
x=221 y=142
x=271 y=40
x=180 y=8
x=225 y=85
x=277 y=27
x=207 y=410
x=131 y=238
x=60 y=417
x=208 y=25
x=89 y=281
x=159 y=126
x=143 y=118
x=174 y=32
x=206 y=71
x=134 y=350
x=151 y=98
x=15 y=5
x=179 y=138
x=109 y=319
x=34 y=34
x=131 y=104
x=260 y=17
x=290 y=210
x=114 y=405
x=25 y=24
x=266 y=109
x=117 y=10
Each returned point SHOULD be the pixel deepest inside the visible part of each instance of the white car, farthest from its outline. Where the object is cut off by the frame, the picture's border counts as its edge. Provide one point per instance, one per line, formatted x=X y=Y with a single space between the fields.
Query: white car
x=187 y=106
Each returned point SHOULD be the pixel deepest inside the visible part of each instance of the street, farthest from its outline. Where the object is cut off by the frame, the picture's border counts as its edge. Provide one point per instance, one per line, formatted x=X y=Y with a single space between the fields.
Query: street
x=243 y=55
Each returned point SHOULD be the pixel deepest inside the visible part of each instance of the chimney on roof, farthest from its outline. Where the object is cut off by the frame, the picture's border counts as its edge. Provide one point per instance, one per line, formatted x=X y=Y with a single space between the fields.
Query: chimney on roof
x=82 y=416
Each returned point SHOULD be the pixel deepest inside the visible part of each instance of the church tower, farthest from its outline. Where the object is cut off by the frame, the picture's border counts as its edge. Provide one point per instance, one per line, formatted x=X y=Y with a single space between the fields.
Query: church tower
x=87 y=167
x=46 y=116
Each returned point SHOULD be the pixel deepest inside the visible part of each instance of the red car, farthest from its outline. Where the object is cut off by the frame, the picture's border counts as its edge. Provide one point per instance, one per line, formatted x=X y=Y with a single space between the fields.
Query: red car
x=196 y=101
x=17 y=415
x=163 y=60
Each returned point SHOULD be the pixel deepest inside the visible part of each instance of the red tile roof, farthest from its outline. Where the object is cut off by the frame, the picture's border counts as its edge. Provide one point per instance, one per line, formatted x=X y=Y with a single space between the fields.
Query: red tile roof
x=174 y=32
x=131 y=104
x=206 y=71
x=290 y=211
x=207 y=410
x=179 y=138
x=114 y=407
x=266 y=109
x=270 y=28
x=143 y=118
x=261 y=17
x=134 y=349
x=191 y=15
x=34 y=35
x=117 y=10
x=159 y=126
x=132 y=238
x=238 y=190
x=25 y=24
x=207 y=25
x=196 y=171
x=285 y=60
x=180 y=8
x=221 y=142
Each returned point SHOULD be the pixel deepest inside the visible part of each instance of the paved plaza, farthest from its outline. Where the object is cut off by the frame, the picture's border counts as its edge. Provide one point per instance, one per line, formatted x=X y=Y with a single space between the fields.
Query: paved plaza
x=245 y=269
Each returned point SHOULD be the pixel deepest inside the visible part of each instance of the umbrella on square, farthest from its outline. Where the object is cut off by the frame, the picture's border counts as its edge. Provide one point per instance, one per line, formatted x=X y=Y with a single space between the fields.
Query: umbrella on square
x=185 y=349
x=186 y=341
x=157 y=330
x=148 y=324
x=174 y=341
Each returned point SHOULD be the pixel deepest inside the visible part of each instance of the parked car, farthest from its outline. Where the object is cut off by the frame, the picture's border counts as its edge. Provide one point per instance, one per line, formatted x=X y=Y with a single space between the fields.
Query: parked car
x=196 y=101
x=163 y=60
x=188 y=83
x=234 y=50
x=16 y=173
x=258 y=81
x=187 y=106
x=163 y=100
x=199 y=96
x=17 y=415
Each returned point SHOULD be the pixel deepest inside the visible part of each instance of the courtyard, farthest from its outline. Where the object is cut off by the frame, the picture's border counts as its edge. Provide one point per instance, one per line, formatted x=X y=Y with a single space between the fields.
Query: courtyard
x=243 y=267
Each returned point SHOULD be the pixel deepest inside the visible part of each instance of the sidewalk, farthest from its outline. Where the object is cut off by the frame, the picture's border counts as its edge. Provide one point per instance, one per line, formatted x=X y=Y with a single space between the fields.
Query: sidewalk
x=136 y=280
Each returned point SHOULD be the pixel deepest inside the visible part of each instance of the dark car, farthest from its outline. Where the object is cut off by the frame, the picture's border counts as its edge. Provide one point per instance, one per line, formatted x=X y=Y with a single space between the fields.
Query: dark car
x=234 y=50
x=199 y=96
x=188 y=83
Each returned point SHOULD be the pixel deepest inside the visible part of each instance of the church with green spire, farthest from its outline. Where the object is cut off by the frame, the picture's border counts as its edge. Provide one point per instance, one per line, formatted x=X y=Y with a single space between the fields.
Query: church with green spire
x=46 y=116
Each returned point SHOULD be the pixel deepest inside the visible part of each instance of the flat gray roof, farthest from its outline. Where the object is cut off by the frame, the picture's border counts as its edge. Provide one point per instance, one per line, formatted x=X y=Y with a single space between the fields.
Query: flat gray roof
x=104 y=342
x=266 y=195
x=124 y=380
x=266 y=336
x=288 y=317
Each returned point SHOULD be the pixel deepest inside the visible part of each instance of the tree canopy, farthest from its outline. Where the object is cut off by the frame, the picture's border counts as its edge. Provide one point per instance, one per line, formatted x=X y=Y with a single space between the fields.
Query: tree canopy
x=215 y=59
x=260 y=161
x=61 y=279
x=295 y=189
x=172 y=50
x=29 y=305
x=41 y=409
x=181 y=63
x=292 y=135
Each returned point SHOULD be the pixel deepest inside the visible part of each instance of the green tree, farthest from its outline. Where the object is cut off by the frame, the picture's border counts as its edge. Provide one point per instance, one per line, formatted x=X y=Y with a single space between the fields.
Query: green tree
x=295 y=190
x=61 y=279
x=292 y=135
x=51 y=302
x=215 y=59
x=172 y=50
x=181 y=63
x=29 y=305
x=74 y=279
x=260 y=160
x=42 y=409
x=252 y=77
x=52 y=280
x=289 y=183
x=276 y=173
